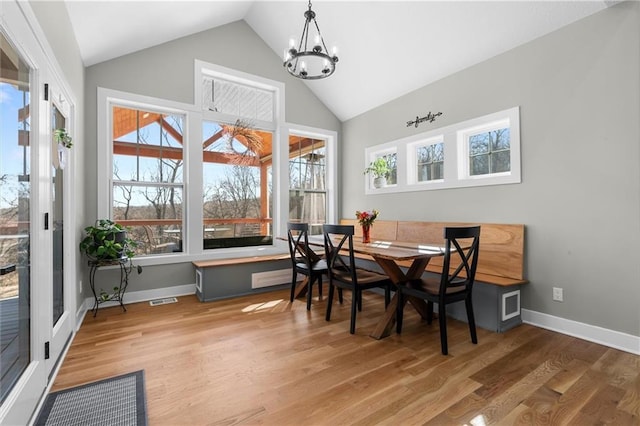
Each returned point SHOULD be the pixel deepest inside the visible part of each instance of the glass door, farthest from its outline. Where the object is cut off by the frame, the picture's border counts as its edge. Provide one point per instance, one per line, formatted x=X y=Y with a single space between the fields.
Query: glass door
x=34 y=201
x=62 y=297
x=15 y=217
x=57 y=215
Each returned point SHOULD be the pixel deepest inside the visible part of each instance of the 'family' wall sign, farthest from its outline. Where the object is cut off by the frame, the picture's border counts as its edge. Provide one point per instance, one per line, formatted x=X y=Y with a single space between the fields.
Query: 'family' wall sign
x=429 y=117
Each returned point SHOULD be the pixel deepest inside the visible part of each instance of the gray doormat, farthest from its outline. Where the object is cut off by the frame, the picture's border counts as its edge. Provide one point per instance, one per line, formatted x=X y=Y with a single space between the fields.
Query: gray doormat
x=114 y=401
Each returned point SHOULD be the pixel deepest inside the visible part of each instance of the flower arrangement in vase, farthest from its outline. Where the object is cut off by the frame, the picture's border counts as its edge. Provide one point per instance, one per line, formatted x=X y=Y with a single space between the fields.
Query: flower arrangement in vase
x=366 y=219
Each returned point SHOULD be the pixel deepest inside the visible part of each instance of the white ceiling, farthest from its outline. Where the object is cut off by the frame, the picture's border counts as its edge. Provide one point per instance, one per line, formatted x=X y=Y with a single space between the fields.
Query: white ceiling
x=386 y=48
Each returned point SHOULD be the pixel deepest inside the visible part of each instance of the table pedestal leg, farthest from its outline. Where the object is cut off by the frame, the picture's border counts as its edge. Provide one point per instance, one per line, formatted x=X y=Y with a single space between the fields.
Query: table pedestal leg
x=397 y=276
x=301 y=288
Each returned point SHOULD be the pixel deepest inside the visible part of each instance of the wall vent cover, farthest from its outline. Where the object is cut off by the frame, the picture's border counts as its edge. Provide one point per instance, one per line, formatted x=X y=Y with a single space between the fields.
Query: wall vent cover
x=164 y=301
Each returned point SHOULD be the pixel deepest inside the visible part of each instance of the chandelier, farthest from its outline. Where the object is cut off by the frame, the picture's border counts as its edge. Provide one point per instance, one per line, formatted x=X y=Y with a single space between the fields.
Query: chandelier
x=311 y=64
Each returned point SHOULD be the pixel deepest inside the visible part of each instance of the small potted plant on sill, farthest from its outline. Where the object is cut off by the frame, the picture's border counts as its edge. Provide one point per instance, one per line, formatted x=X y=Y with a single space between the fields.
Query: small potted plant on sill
x=380 y=170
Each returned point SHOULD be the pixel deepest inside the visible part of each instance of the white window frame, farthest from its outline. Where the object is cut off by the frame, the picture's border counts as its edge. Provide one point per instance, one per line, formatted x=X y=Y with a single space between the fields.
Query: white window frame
x=456 y=155
x=378 y=151
x=412 y=160
x=107 y=99
x=487 y=124
x=331 y=171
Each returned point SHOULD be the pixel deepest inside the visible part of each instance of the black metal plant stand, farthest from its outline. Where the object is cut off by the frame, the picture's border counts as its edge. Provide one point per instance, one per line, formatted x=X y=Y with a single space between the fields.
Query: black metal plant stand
x=117 y=295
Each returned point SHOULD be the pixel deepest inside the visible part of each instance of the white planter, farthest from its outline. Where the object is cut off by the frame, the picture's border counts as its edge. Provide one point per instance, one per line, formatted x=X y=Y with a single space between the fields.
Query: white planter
x=379 y=182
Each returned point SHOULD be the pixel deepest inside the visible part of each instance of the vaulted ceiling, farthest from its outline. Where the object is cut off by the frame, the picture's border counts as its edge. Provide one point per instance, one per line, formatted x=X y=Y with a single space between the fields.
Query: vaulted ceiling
x=386 y=48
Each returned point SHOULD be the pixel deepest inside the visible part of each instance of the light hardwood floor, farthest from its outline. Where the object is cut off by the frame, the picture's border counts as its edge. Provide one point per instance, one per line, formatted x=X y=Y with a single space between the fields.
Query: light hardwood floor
x=261 y=360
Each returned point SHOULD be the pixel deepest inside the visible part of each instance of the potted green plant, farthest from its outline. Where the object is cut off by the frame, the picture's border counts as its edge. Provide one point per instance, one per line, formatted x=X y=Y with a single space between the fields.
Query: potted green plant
x=380 y=170
x=62 y=137
x=107 y=241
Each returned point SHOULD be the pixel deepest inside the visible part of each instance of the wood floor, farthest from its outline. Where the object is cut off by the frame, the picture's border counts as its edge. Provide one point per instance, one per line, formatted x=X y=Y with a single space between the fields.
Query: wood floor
x=261 y=360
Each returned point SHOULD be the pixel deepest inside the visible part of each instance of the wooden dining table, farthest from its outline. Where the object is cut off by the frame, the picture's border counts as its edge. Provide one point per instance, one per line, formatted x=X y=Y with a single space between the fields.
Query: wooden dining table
x=388 y=254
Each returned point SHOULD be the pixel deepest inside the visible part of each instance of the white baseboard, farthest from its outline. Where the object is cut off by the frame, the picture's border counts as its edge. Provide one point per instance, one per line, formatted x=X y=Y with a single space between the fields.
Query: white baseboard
x=614 y=339
x=144 y=295
x=81 y=312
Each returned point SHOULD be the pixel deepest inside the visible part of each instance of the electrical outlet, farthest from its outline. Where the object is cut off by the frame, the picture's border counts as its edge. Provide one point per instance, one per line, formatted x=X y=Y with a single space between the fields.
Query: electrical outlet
x=557 y=294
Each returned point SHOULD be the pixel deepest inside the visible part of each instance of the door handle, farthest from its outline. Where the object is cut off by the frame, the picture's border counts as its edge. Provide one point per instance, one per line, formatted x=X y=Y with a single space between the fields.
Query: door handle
x=7 y=269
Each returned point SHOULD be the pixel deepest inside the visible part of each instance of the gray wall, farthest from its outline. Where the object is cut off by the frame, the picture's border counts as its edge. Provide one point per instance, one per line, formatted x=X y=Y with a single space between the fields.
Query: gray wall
x=166 y=71
x=579 y=95
x=54 y=21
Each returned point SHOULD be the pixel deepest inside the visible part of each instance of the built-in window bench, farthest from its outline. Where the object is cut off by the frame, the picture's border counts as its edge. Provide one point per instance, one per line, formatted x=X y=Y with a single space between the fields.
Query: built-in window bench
x=225 y=278
x=500 y=272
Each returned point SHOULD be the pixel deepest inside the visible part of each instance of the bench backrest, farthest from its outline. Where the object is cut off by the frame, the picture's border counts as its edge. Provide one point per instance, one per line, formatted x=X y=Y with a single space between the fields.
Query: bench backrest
x=501 y=245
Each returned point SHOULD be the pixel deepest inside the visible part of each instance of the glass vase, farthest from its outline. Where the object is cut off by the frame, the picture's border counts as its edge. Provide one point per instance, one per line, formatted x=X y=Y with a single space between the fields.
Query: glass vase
x=366 y=234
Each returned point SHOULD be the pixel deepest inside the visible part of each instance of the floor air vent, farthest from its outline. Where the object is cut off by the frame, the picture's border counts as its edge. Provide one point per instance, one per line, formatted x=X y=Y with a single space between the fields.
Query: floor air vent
x=164 y=301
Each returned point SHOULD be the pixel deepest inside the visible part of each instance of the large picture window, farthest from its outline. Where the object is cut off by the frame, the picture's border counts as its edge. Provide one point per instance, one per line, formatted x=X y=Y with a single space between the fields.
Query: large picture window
x=236 y=164
x=147 y=176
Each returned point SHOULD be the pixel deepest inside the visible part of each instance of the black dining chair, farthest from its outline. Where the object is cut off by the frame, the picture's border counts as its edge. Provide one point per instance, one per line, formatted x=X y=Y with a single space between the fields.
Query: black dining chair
x=453 y=285
x=304 y=260
x=344 y=274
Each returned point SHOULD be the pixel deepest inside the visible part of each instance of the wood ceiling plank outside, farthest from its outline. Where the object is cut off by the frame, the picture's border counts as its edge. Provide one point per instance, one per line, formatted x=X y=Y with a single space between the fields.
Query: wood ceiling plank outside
x=154 y=151
x=125 y=122
x=171 y=130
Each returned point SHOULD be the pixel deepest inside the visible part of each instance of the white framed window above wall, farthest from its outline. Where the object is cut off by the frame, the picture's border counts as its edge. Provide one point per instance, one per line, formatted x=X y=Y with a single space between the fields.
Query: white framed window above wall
x=476 y=152
x=381 y=168
x=489 y=149
x=425 y=162
x=486 y=150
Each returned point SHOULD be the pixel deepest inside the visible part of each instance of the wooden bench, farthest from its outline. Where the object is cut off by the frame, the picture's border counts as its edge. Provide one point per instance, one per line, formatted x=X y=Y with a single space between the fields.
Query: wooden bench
x=500 y=272
x=224 y=278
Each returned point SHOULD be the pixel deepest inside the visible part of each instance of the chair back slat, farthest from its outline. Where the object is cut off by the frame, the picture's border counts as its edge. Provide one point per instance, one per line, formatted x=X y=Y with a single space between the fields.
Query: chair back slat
x=333 y=247
x=298 y=236
x=465 y=255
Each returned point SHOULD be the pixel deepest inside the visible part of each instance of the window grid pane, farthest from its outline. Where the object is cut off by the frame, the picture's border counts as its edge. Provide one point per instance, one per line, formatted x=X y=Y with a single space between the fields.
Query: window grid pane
x=489 y=152
x=430 y=162
x=392 y=161
x=307 y=177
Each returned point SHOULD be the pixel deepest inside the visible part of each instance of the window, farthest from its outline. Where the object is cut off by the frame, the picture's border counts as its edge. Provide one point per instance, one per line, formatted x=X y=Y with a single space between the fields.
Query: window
x=480 y=151
x=392 y=162
x=190 y=178
x=430 y=162
x=236 y=164
x=238 y=127
x=390 y=155
x=147 y=176
x=240 y=100
x=489 y=151
x=307 y=182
